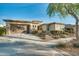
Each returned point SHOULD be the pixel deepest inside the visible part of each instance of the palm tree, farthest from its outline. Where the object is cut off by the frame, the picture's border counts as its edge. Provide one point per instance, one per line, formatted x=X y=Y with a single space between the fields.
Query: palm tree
x=65 y=9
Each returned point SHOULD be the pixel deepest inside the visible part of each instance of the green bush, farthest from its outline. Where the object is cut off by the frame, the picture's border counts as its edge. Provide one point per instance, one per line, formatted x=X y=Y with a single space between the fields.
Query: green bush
x=2 y=31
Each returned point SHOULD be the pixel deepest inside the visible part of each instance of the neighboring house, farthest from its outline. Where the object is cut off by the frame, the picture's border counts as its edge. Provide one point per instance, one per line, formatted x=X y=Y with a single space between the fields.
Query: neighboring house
x=17 y=26
x=56 y=26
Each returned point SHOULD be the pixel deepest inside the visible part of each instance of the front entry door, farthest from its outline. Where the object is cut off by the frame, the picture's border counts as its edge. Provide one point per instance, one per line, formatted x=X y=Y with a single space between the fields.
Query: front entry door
x=28 y=28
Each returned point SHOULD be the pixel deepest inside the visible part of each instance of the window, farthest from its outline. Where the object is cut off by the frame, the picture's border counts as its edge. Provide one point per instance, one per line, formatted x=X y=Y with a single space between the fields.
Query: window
x=33 y=25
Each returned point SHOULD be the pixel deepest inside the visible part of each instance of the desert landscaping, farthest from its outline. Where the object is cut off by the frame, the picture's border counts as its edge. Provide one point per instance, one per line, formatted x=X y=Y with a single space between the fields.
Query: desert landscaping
x=47 y=29
x=29 y=44
x=44 y=43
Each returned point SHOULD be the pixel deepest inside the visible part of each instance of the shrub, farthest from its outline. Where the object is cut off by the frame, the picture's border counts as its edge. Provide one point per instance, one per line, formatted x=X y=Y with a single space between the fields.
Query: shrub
x=66 y=33
x=76 y=45
x=65 y=44
x=54 y=32
x=56 y=37
x=59 y=34
x=42 y=34
x=34 y=32
x=2 y=31
x=69 y=30
x=61 y=44
x=63 y=36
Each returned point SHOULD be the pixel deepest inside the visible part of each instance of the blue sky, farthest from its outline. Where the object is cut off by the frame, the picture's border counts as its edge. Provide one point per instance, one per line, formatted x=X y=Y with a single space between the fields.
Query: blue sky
x=30 y=11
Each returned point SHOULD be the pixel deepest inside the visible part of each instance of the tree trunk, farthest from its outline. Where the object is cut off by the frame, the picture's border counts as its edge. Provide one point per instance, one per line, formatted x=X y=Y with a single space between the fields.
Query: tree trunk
x=77 y=19
x=77 y=35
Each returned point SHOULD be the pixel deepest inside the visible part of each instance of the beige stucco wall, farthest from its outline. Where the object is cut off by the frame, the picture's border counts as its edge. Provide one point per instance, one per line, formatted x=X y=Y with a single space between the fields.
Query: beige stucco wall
x=58 y=27
x=34 y=26
x=8 y=28
x=44 y=27
x=51 y=27
x=10 y=24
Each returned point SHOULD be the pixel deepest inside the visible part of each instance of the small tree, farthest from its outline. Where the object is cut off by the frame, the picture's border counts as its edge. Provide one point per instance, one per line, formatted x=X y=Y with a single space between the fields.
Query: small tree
x=2 y=31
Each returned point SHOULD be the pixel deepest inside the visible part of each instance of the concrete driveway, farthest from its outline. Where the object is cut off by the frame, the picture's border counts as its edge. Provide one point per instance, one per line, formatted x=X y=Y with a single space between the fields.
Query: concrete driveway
x=30 y=47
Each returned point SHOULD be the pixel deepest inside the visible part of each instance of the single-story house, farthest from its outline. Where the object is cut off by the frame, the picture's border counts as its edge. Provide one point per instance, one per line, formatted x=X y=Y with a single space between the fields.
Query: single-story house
x=18 y=26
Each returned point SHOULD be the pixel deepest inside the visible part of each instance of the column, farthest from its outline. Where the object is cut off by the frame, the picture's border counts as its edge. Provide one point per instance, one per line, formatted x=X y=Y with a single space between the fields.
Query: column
x=8 y=28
